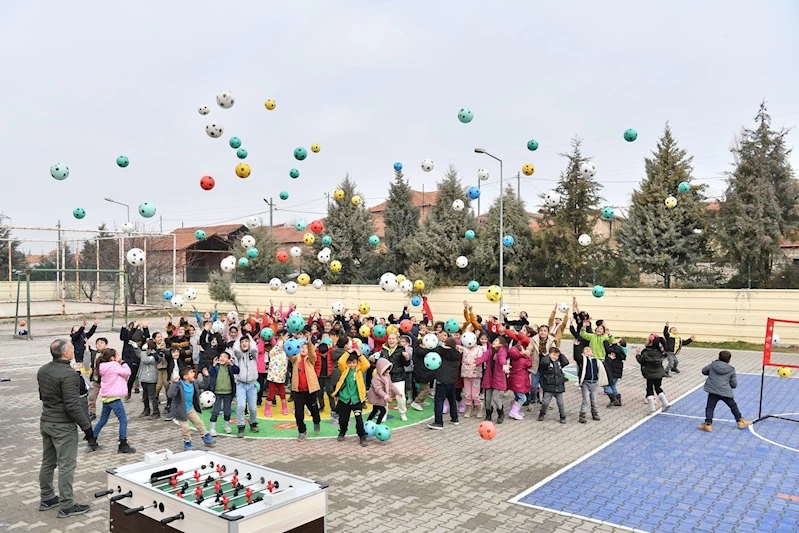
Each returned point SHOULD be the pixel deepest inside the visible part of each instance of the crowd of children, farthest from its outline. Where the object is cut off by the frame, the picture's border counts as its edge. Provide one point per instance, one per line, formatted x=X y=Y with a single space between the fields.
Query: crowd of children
x=357 y=362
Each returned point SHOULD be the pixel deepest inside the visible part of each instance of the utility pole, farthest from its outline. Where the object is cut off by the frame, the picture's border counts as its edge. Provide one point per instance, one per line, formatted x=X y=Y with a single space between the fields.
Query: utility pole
x=327 y=195
x=519 y=185
x=271 y=205
x=58 y=256
x=161 y=221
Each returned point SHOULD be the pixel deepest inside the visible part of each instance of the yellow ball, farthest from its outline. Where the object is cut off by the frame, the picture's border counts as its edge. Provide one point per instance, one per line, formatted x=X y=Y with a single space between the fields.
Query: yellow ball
x=308 y=238
x=528 y=169
x=784 y=372
x=401 y=278
x=270 y=104
x=364 y=331
x=303 y=279
x=335 y=266
x=339 y=194
x=671 y=202
x=356 y=200
x=494 y=293
x=243 y=170
x=418 y=285
x=364 y=308
x=315 y=148
x=392 y=329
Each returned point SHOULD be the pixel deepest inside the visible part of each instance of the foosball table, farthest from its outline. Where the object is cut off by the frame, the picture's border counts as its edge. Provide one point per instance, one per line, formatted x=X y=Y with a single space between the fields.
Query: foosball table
x=199 y=491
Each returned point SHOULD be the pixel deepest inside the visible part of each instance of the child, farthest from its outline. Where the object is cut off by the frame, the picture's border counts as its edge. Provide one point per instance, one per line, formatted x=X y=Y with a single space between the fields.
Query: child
x=398 y=358
x=212 y=347
x=446 y=376
x=246 y=396
x=596 y=340
x=553 y=382
x=22 y=331
x=276 y=378
x=350 y=393
x=495 y=382
x=410 y=385
x=113 y=387
x=324 y=367
x=591 y=372
x=471 y=373
x=651 y=361
x=222 y=377
x=304 y=386
x=173 y=373
x=519 y=380
x=719 y=385
x=94 y=378
x=614 y=365
x=163 y=378
x=79 y=338
x=186 y=407
x=148 y=377
x=379 y=393
x=674 y=344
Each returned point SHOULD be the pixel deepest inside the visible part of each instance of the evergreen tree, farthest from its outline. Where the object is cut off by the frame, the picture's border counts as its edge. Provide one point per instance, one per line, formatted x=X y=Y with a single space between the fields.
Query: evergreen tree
x=517 y=258
x=18 y=262
x=761 y=201
x=350 y=226
x=441 y=238
x=656 y=239
x=560 y=259
x=401 y=223
x=265 y=266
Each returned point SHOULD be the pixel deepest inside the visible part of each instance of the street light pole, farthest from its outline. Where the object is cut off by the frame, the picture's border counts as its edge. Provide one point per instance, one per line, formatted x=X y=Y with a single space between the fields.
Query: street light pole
x=119 y=203
x=501 y=220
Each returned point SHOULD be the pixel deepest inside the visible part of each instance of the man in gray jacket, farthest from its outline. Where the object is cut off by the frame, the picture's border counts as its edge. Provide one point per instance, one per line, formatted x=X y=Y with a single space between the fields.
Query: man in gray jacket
x=246 y=353
x=719 y=385
x=59 y=391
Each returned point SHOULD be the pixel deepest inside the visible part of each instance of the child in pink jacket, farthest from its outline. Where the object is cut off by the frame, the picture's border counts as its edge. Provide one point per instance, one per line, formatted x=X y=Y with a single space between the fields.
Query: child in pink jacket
x=471 y=373
x=379 y=393
x=113 y=387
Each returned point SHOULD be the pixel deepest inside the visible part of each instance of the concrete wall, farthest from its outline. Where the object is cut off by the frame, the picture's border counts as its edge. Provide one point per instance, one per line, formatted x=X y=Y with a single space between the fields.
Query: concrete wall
x=711 y=315
x=40 y=291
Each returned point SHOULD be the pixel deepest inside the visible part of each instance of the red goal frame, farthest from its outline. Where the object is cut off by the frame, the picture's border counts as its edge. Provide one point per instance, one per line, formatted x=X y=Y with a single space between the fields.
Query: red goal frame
x=768 y=362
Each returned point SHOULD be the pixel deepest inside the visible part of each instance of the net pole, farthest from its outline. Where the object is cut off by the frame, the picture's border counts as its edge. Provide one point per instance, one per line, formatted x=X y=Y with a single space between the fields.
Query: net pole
x=762 y=384
x=144 y=297
x=28 y=291
x=114 y=306
x=63 y=278
x=97 y=260
x=16 y=313
x=77 y=274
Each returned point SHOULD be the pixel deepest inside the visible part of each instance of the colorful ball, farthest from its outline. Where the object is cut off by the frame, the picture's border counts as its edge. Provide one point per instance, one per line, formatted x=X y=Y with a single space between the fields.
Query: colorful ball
x=608 y=213
x=300 y=153
x=241 y=153
x=473 y=286
x=532 y=145
x=317 y=226
x=598 y=291
x=487 y=430
x=406 y=326
x=364 y=331
x=295 y=324
x=382 y=432
x=234 y=142
x=432 y=361
x=300 y=225
x=168 y=295
x=494 y=293
x=308 y=238
x=416 y=301
x=292 y=347
x=252 y=253
x=379 y=331
x=684 y=187
x=146 y=209
x=465 y=115
x=303 y=279
x=199 y=235
x=364 y=309
x=418 y=285
x=356 y=200
x=339 y=194
x=452 y=326
x=294 y=173
x=327 y=240
x=59 y=171
x=284 y=195
x=391 y=328
x=335 y=266
x=267 y=334
x=374 y=240
x=270 y=104
x=470 y=234
x=364 y=348
x=671 y=202
x=123 y=161
x=630 y=135
x=784 y=372
x=207 y=183
x=282 y=256
x=508 y=240
x=528 y=169
x=315 y=148
x=370 y=426
x=78 y=213
x=244 y=262
x=243 y=170
x=474 y=193
x=397 y=166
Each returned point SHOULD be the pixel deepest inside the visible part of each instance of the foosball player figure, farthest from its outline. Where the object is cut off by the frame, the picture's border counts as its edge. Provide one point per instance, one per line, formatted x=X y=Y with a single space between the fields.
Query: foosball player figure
x=185 y=406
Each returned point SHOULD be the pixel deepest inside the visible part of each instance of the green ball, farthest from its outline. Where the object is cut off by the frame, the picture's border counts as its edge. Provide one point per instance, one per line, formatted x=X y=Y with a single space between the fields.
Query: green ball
x=78 y=213
x=382 y=432
x=452 y=326
x=235 y=142
x=300 y=153
x=267 y=334
x=474 y=286
x=146 y=209
x=327 y=240
x=374 y=240
x=199 y=235
x=300 y=225
x=241 y=153
x=608 y=213
x=295 y=324
x=59 y=171
x=257 y=386
x=244 y=262
x=684 y=187
x=470 y=234
x=252 y=253
x=123 y=161
x=630 y=135
x=294 y=173
x=284 y=195
x=465 y=115
x=532 y=145
x=598 y=291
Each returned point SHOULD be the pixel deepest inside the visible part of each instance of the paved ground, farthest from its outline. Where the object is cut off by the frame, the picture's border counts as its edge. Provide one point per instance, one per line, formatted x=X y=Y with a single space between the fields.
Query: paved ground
x=421 y=480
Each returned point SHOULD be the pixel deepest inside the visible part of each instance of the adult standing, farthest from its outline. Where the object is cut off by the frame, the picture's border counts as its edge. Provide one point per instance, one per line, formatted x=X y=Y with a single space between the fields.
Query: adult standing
x=59 y=391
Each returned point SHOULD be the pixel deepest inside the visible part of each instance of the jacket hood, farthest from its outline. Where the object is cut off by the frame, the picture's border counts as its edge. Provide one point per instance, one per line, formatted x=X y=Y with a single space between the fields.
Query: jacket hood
x=720 y=367
x=383 y=364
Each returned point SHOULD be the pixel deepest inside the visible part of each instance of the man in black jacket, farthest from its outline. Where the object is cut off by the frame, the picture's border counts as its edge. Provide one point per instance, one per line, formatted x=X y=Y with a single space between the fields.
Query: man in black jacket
x=446 y=376
x=59 y=388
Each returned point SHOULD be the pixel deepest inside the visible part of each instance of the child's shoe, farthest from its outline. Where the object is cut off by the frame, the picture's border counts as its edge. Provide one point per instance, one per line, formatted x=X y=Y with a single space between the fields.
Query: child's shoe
x=468 y=413
x=268 y=410
x=340 y=437
x=254 y=427
x=489 y=413
x=145 y=413
x=582 y=418
x=461 y=407
x=500 y=415
x=542 y=414
x=124 y=447
x=446 y=407
x=478 y=411
x=317 y=428
x=227 y=427
x=743 y=423
x=208 y=440
x=650 y=400
x=187 y=446
x=240 y=434
x=664 y=403
x=284 y=407
x=595 y=415
x=706 y=427
x=562 y=419
x=514 y=411
x=156 y=415
x=363 y=441
x=416 y=406
x=212 y=432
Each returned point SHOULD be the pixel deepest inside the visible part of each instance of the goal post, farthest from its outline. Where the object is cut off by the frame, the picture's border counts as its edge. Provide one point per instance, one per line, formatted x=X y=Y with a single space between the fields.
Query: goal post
x=780 y=351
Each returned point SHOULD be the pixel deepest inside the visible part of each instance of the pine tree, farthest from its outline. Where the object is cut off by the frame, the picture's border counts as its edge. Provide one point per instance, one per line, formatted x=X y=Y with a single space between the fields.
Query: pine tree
x=560 y=260
x=761 y=201
x=265 y=266
x=350 y=226
x=441 y=238
x=518 y=269
x=656 y=239
x=401 y=223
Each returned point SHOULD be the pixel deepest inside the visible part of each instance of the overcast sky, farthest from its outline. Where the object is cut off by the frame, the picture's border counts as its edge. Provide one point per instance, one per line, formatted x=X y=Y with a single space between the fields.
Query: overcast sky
x=373 y=83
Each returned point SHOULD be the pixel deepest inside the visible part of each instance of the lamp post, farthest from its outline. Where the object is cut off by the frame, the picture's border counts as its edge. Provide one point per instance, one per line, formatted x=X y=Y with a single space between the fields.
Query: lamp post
x=479 y=179
x=119 y=203
x=501 y=219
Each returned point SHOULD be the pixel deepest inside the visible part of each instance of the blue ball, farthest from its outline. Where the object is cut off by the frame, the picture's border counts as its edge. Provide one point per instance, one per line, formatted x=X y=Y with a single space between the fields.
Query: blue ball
x=78 y=213
x=294 y=173
x=370 y=427
x=474 y=193
x=507 y=240
x=241 y=153
x=382 y=432
x=630 y=135
x=465 y=115
x=452 y=325
x=168 y=295
x=295 y=324
x=327 y=240
x=267 y=334
x=470 y=234
x=374 y=240
x=474 y=286
x=416 y=301
x=684 y=187
x=244 y=262
x=598 y=291
x=300 y=153
x=432 y=361
x=365 y=350
x=608 y=213
x=300 y=225
x=292 y=347
x=398 y=166
x=235 y=142
x=532 y=145
x=252 y=253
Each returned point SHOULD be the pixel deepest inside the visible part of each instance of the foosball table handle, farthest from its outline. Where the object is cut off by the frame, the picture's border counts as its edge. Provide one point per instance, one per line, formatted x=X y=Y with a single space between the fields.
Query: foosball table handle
x=103 y=493
x=134 y=510
x=171 y=519
x=118 y=497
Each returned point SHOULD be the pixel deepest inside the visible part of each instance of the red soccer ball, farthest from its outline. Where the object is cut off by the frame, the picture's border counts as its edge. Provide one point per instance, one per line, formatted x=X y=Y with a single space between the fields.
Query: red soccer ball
x=317 y=226
x=282 y=256
x=487 y=430
x=405 y=326
x=207 y=183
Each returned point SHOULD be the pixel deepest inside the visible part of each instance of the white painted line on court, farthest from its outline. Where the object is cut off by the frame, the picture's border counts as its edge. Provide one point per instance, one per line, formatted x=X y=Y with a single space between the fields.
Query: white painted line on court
x=698 y=417
x=580 y=517
x=755 y=433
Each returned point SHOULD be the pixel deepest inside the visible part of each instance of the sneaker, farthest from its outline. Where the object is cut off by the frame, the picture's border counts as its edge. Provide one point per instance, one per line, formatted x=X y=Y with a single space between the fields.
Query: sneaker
x=667 y=375
x=49 y=504
x=254 y=427
x=403 y=417
x=92 y=416
x=435 y=426
x=301 y=437
x=240 y=434
x=136 y=391
x=213 y=431
x=316 y=429
x=675 y=370
x=75 y=510
x=92 y=447
x=169 y=418
x=563 y=420
x=227 y=427
x=124 y=447
x=340 y=438
x=425 y=404
x=155 y=416
x=744 y=423
x=145 y=413
x=363 y=441
x=416 y=406
x=208 y=440
x=187 y=446
x=455 y=422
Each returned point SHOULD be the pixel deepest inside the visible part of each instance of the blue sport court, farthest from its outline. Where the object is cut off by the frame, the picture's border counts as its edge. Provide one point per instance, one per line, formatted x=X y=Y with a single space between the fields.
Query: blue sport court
x=665 y=475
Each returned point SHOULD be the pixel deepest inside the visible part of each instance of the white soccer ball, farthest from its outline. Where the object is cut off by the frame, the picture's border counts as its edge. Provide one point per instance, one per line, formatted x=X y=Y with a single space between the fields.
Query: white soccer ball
x=214 y=130
x=217 y=326
x=203 y=109
x=248 y=241
x=233 y=316
x=406 y=286
x=225 y=99
x=252 y=222
x=427 y=165
x=458 y=205
x=274 y=284
x=430 y=341
x=295 y=251
x=504 y=310
x=127 y=227
x=388 y=282
x=588 y=170
x=468 y=339
x=482 y=174
x=207 y=399
x=291 y=287
x=462 y=262
x=775 y=339
x=190 y=293
x=563 y=307
x=228 y=264
x=177 y=301
x=337 y=308
x=584 y=239
x=318 y=283
x=552 y=198
x=135 y=256
x=324 y=255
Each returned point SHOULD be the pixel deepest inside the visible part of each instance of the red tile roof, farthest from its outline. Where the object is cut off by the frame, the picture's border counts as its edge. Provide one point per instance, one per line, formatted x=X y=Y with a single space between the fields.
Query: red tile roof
x=418 y=199
x=185 y=236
